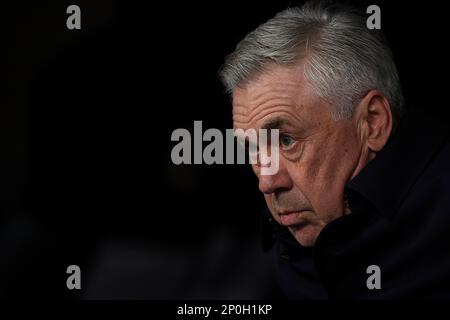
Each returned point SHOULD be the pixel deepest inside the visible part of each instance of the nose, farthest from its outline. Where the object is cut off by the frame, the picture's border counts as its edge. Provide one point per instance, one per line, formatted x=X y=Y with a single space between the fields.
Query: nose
x=271 y=183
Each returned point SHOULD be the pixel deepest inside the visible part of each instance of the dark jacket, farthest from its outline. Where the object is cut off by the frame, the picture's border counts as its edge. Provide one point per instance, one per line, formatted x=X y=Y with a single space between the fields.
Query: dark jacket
x=400 y=222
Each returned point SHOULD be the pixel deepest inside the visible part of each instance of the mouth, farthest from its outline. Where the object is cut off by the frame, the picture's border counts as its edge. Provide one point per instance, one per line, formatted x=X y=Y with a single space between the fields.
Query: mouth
x=292 y=218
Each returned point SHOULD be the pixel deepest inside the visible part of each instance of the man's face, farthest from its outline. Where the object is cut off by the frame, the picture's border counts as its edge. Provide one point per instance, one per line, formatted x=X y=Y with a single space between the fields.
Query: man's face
x=317 y=154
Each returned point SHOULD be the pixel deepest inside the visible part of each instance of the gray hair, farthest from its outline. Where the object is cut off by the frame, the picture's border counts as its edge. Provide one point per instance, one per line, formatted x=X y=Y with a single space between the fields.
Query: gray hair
x=343 y=58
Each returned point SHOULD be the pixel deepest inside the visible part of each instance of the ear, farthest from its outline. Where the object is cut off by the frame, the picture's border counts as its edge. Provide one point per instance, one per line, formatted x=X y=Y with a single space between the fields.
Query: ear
x=374 y=119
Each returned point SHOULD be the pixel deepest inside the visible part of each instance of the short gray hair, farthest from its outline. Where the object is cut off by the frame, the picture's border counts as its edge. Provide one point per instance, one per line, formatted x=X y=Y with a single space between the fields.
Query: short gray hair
x=343 y=58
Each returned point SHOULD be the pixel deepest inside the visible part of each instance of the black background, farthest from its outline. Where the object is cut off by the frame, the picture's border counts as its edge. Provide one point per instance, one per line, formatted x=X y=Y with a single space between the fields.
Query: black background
x=86 y=121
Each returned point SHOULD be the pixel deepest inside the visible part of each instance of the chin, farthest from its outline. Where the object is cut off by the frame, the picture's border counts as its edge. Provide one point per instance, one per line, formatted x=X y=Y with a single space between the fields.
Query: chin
x=306 y=235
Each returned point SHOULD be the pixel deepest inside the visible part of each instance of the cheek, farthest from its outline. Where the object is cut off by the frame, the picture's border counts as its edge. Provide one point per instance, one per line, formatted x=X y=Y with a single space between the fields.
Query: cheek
x=312 y=168
x=268 y=198
x=335 y=157
x=323 y=171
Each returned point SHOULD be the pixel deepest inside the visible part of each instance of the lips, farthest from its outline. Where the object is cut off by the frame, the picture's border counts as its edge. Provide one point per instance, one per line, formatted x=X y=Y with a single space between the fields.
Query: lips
x=290 y=218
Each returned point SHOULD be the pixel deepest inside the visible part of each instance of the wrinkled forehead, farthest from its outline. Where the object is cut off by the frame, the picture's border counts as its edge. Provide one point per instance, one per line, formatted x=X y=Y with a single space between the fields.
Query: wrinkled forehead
x=282 y=90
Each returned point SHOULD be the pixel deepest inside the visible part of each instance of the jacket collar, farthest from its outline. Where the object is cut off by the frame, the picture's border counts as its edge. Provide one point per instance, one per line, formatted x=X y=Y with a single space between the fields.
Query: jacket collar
x=387 y=179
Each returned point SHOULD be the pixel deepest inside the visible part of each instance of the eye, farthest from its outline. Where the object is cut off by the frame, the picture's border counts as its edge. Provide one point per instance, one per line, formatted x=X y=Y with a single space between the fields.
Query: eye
x=286 y=141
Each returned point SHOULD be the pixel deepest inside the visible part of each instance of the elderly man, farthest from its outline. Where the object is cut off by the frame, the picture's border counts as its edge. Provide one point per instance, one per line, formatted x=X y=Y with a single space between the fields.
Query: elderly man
x=358 y=207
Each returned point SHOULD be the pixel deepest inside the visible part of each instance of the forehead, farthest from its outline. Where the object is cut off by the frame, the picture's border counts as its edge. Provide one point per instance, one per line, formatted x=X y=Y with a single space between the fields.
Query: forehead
x=282 y=79
x=278 y=91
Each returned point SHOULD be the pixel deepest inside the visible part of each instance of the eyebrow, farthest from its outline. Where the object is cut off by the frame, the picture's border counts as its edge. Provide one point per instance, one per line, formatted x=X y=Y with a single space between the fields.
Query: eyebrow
x=276 y=123
x=273 y=123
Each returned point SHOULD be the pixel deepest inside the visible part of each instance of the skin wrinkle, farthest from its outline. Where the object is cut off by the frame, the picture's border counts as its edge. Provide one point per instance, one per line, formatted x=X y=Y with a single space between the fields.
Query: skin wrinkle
x=268 y=111
x=267 y=91
x=241 y=117
x=323 y=156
